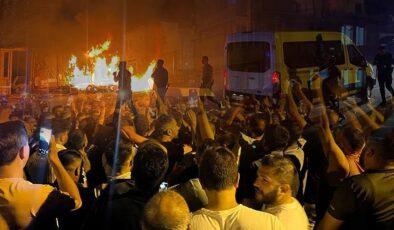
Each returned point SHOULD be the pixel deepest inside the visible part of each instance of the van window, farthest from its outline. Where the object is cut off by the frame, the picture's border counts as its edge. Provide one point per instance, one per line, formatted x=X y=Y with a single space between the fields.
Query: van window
x=249 y=56
x=305 y=54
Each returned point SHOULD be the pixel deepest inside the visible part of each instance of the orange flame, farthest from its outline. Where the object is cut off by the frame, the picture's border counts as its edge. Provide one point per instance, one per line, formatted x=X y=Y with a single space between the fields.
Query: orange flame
x=100 y=73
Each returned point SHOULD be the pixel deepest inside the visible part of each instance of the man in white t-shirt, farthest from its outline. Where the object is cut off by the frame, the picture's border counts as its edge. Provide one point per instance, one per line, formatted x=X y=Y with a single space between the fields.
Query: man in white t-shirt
x=219 y=178
x=276 y=184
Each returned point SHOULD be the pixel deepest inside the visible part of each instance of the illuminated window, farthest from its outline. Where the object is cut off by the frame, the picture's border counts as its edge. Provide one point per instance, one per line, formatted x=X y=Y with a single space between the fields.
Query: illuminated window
x=360 y=36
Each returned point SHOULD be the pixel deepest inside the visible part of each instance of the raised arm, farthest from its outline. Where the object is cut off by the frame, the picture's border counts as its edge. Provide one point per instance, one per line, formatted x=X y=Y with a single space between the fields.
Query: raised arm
x=338 y=165
x=206 y=131
x=293 y=110
x=65 y=182
x=370 y=124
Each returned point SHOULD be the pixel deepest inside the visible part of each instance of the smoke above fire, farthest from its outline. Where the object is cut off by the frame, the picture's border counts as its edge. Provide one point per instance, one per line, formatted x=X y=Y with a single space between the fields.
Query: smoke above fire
x=69 y=25
x=98 y=69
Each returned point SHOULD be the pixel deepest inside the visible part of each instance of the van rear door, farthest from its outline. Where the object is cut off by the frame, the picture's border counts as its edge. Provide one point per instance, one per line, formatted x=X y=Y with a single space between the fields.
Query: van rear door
x=249 y=62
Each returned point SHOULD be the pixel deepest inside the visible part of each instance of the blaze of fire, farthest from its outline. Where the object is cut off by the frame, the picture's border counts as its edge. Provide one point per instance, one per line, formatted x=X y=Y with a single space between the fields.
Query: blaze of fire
x=100 y=73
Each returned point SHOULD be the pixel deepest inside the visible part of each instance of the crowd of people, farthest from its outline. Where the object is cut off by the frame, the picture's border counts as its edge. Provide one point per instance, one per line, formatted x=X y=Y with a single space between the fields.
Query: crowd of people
x=252 y=164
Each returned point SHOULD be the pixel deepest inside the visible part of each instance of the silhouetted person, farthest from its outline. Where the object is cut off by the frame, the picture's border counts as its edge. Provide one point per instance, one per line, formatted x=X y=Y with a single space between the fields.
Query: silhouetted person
x=207 y=81
x=383 y=61
x=123 y=77
x=160 y=77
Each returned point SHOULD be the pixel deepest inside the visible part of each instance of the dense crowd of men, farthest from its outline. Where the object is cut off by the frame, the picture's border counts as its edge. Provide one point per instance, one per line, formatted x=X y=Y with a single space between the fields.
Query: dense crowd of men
x=252 y=164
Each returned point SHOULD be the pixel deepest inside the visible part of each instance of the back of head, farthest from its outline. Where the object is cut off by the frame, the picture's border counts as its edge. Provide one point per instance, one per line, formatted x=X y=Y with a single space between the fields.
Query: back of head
x=228 y=140
x=218 y=169
x=166 y=210
x=294 y=131
x=205 y=146
x=276 y=137
x=160 y=62
x=76 y=140
x=256 y=122
x=13 y=137
x=382 y=140
x=150 y=165
x=122 y=66
x=161 y=125
x=68 y=157
x=283 y=170
x=60 y=126
x=72 y=162
x=118 y=154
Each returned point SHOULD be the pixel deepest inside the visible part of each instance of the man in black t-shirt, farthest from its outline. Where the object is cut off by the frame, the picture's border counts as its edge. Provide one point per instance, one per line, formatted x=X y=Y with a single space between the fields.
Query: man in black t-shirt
x=366 y=201
x=166 y=130
x=383 y=61
x=121 y=204
x=207 y=82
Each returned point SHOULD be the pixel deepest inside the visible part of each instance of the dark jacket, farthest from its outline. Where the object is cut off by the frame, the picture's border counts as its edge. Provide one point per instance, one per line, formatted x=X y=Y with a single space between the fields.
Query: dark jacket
x=119 y=207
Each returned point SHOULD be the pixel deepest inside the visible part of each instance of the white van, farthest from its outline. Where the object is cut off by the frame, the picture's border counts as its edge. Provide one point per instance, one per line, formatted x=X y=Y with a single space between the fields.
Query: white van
x=258 y=62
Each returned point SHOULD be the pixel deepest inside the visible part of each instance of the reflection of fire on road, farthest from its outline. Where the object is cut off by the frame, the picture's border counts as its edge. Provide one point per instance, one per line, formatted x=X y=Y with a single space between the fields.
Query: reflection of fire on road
x=100 y=73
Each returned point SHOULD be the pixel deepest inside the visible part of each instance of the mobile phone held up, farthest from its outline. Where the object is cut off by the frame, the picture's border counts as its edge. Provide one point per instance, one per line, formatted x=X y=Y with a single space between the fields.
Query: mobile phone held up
x=163 y=186
x=44 y=142
x=193 y=98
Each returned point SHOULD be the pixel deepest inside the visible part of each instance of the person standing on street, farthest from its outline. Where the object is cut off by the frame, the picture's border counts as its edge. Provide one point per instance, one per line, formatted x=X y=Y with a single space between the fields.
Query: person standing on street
x=123 y=77
x=160 y=77
x=207 y=81
x=383 y=61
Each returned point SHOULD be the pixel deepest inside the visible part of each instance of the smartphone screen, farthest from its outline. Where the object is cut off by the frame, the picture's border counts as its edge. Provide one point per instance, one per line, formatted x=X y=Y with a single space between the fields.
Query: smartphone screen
x=163 y=186
x=45 y=138
x=193 y=98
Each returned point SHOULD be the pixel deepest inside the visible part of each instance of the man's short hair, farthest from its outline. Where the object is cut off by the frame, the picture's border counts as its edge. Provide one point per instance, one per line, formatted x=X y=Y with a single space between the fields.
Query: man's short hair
x=68 y=156
x=150 y=165
x=117 y=153
x=60 y=126
x=276 y=137
x=160 y=62
x=283 y=169
x=218 y=169
x=76 y=139
x=294 y=129
x=13 y=136
x=205 y=57
x=166 y=211
x=161 y=125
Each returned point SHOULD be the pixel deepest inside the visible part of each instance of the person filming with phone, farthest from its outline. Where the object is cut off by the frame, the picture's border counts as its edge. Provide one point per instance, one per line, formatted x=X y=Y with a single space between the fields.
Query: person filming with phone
x=23 y=204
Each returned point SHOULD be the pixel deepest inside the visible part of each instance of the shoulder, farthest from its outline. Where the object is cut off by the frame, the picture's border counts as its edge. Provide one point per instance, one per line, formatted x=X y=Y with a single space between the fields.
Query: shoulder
x=262 y=219
x=361 y=181
x=21 y=185
x=200 y=216
x=251 y=212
